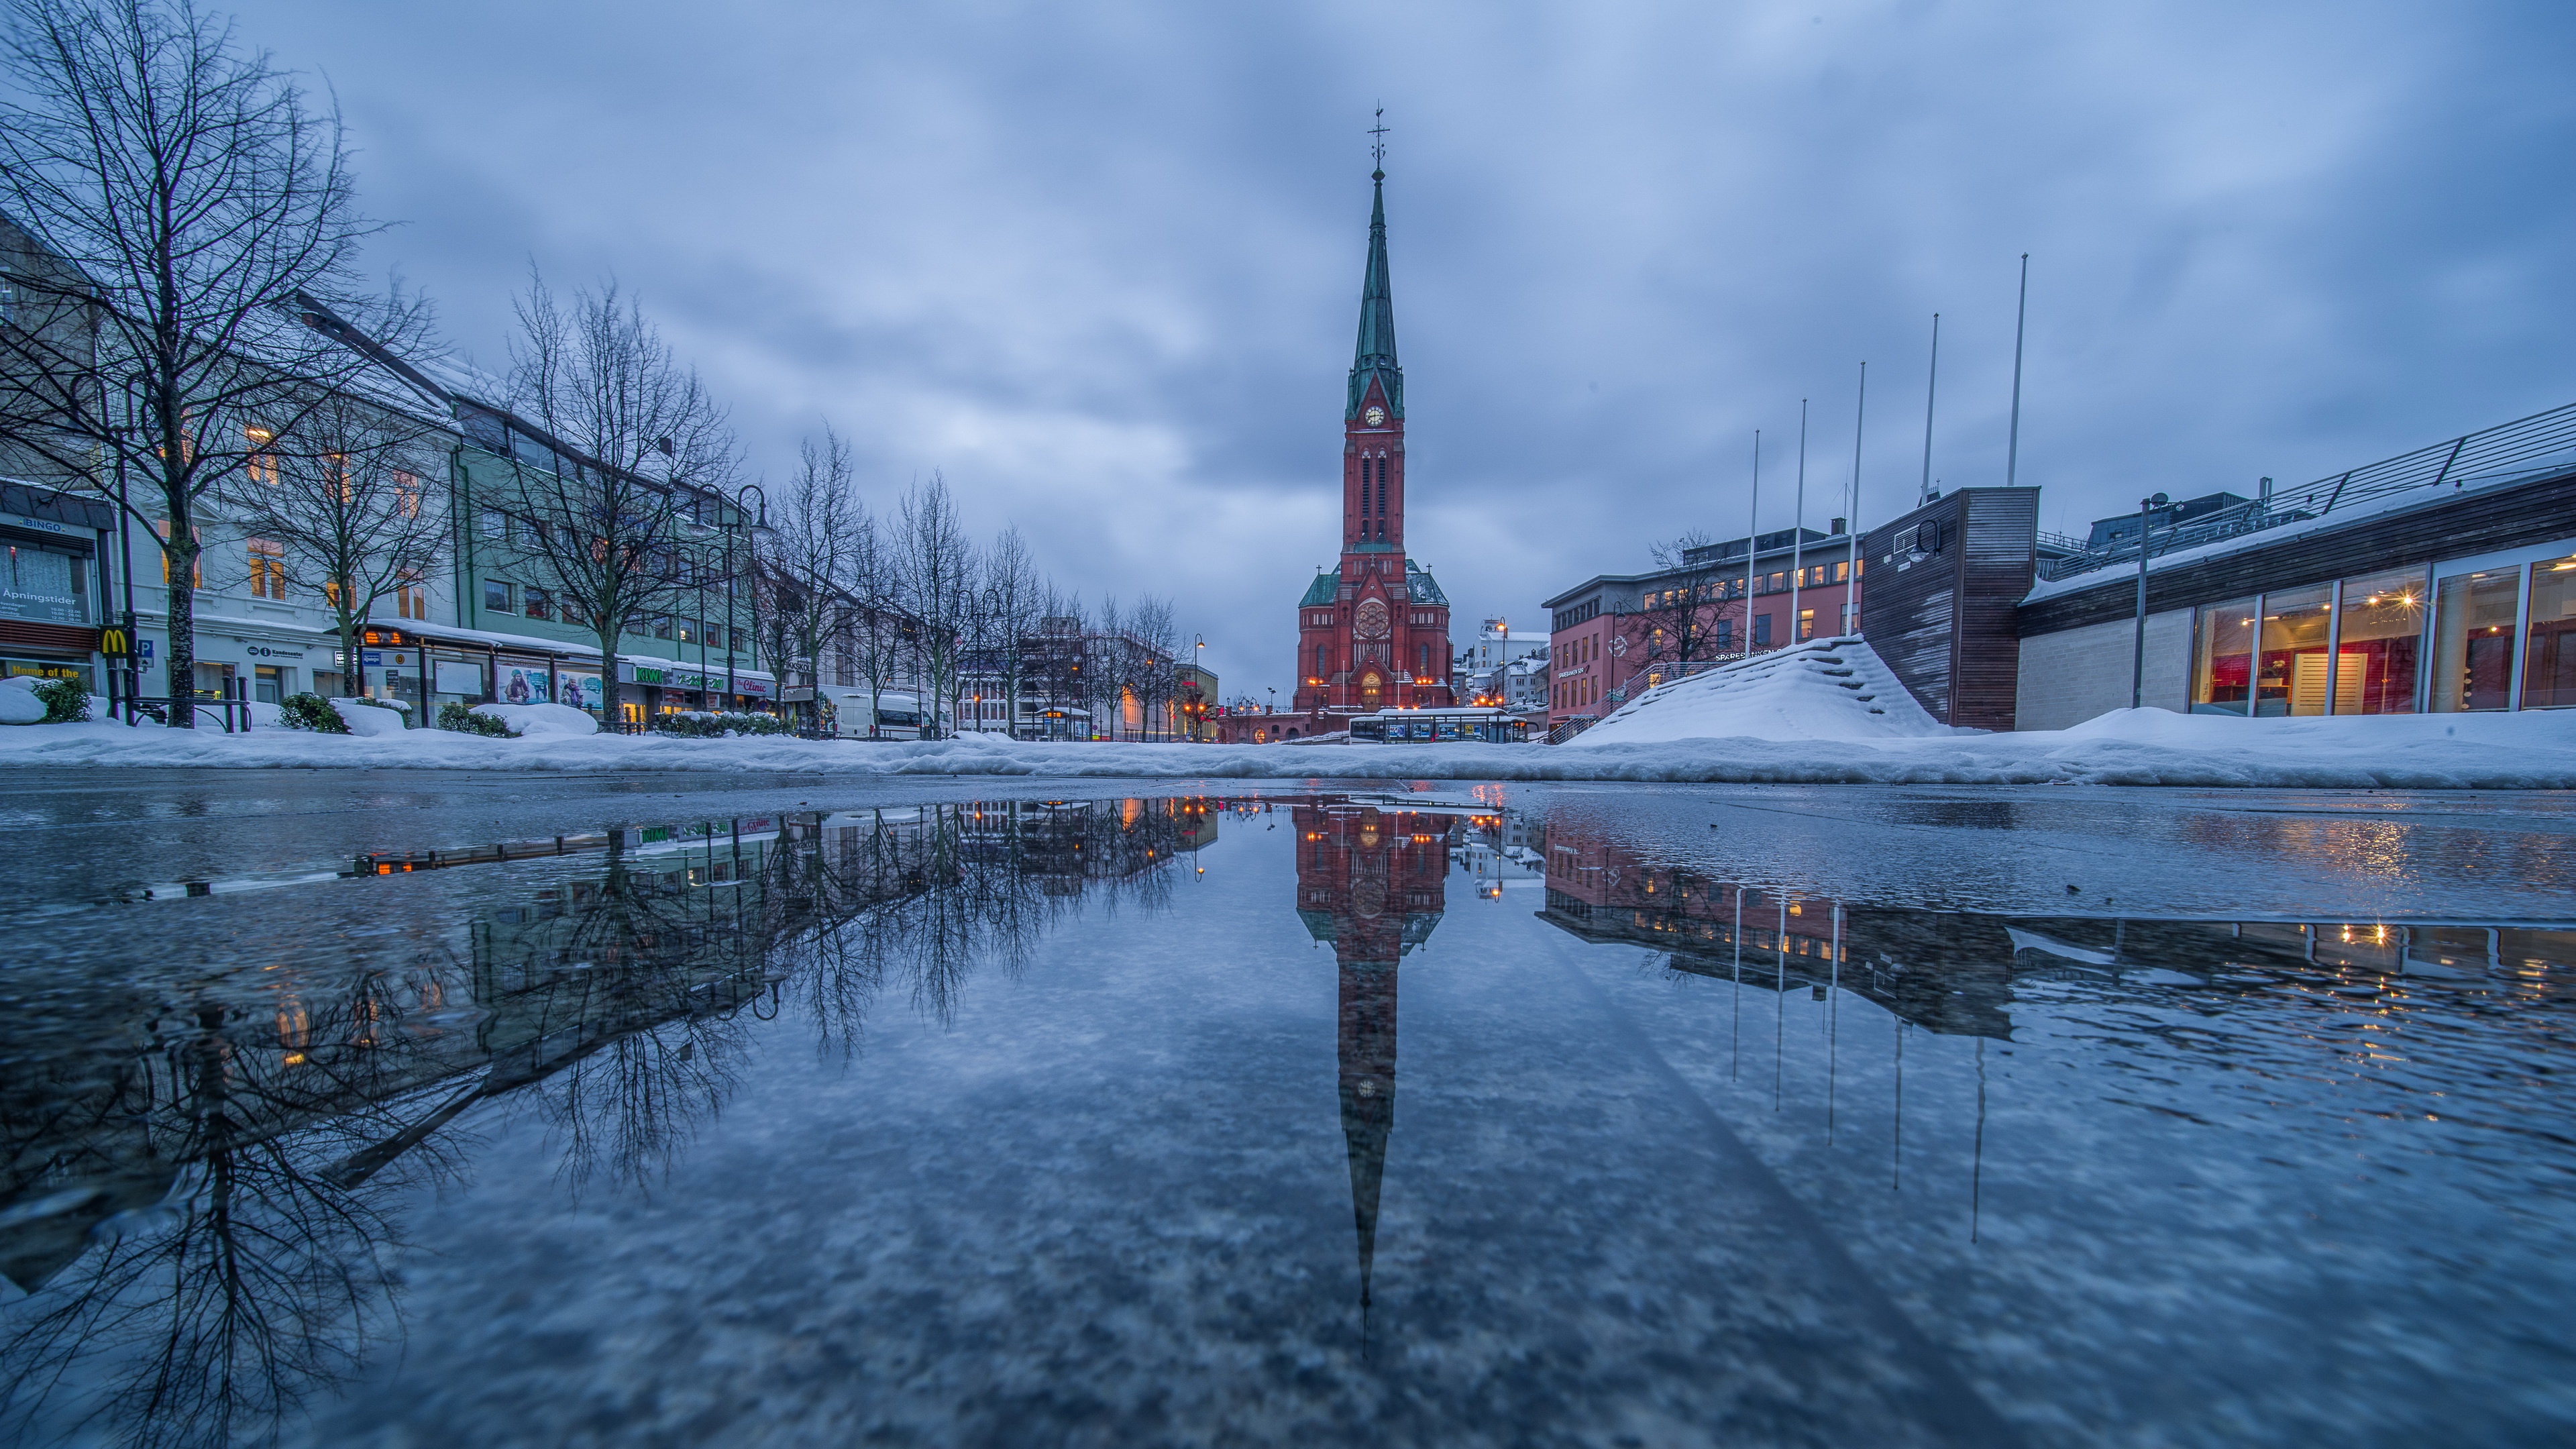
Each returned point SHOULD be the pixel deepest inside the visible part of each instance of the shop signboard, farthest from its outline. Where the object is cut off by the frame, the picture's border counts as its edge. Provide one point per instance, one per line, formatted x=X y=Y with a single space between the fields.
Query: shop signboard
x=744 y=684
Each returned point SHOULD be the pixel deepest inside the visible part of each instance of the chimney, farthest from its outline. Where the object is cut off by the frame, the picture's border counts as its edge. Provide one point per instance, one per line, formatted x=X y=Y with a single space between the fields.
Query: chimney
x=1837 y=528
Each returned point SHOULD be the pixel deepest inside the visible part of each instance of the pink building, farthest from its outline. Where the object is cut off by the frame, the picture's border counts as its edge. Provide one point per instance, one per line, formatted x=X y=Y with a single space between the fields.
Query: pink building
x=1617 y=634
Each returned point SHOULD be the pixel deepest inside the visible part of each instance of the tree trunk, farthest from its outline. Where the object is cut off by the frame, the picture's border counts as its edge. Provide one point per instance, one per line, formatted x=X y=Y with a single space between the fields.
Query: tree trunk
x=607 y=678
x=179 y=552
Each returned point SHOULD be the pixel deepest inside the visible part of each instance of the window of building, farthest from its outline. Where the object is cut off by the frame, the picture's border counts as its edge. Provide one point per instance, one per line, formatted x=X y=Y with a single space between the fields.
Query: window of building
x=407 y=494
x=2473 y=640
x=2222 y=657
x=411 y=599
x=2549 y=675
x=1777 y=583
x=536 y=603
x=2380 y=643
x=1761 y=630
x=1725 y=635
x=496 y=597
x=662 y=626
x=2290 y=671
x=688 y=631
x=1842 y=571
x=1806 y=623
x=267 y=568
x=496 y=524
x=715 y=636
x=262 y=466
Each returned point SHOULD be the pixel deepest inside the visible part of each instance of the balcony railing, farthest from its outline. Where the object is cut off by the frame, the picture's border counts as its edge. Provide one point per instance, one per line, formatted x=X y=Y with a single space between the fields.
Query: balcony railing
x=2515 y=452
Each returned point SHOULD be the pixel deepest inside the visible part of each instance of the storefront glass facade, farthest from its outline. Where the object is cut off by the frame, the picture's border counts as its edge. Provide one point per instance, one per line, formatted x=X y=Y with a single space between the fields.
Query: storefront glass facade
x=2445 y=639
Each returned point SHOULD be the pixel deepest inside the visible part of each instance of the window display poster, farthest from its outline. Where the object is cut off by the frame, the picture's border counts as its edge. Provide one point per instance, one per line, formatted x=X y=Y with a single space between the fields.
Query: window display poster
x=523 y=686
x=456 y=677
x=579 y=690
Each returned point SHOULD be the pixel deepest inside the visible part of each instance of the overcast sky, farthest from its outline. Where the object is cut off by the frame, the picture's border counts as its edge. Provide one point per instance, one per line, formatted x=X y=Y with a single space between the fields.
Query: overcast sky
x=1100 y=263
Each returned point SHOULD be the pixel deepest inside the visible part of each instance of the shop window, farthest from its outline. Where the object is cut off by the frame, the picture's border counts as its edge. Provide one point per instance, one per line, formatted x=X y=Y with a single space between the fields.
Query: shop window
x=267 y=569
x=2474 y=616
x=45 y=585
x=2549 y=674
x=2222 y=657
x=2290 y=671
x=268 y=684
x=496 y=597
x=536 y=603
x=2380 y=643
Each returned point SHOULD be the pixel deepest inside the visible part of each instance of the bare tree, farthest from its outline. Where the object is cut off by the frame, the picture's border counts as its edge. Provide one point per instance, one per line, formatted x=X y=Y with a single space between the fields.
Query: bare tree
x=195 y=204
x=1015 y=598
x=343 y=510
x=1681 y=613
x=805 y=560
x=614 y=544
x=937 y=563
x=1152 y=658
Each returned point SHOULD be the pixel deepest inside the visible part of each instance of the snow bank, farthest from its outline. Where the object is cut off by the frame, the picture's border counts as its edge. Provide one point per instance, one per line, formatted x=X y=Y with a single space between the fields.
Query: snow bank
x=1825 y=689
x=18 y=702
x=367 y=721
x=536 y=721
x=2534 y=750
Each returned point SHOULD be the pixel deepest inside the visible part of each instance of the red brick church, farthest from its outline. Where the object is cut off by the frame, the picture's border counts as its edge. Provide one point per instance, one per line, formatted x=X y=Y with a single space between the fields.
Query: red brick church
x=1373 y=633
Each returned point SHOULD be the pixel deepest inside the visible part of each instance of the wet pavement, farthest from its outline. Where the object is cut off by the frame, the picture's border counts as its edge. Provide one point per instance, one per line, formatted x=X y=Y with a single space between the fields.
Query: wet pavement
x=420 y=1110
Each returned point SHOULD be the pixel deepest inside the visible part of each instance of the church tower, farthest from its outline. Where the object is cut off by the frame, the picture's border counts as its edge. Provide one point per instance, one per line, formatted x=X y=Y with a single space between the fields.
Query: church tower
x=1373 y=633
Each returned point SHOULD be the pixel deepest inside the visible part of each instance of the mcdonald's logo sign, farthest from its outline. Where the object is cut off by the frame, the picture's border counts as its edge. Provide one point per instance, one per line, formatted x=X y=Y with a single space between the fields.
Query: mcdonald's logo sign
x=115 y=643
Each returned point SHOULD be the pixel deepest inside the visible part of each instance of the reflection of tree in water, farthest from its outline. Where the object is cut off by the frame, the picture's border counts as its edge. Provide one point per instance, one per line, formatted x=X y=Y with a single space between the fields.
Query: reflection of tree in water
x=204 y=1222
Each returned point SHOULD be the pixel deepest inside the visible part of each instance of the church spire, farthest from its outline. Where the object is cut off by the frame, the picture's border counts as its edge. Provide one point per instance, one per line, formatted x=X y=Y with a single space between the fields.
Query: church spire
x=1375 y=355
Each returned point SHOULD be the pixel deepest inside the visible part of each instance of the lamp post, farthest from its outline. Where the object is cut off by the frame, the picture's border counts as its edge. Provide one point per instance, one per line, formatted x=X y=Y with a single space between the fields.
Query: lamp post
x=2138 y=655
x=730 y=525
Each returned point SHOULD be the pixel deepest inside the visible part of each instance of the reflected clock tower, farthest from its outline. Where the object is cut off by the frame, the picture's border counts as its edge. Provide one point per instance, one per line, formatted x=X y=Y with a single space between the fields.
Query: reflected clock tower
x=1372 y=882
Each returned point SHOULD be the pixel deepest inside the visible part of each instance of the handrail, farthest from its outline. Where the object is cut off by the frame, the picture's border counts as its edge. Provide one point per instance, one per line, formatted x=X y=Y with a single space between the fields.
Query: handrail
x=2526 y=448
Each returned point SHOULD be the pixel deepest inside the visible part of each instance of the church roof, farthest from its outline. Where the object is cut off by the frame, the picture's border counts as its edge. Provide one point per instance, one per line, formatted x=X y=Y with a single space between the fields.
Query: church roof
x=1420 y=587
x=1374 y=357
x=1322 y=590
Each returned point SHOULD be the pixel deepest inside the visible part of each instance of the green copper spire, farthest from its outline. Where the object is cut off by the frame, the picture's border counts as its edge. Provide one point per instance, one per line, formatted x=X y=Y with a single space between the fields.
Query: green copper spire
x=1375 y=356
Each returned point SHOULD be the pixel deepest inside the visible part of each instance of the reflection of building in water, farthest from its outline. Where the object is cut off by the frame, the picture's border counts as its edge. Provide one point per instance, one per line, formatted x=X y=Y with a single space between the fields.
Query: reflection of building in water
x=1373 y=882
x=1953 y=972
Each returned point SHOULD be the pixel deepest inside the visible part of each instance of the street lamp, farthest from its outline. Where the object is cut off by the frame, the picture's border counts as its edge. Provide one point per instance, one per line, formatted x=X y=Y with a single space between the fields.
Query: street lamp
x=729 y=525
x=2138 y=656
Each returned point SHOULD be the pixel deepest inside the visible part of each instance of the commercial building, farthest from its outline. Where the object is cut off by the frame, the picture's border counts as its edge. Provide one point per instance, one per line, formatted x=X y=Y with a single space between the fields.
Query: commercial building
x=1615 y=634
x=2441 y=580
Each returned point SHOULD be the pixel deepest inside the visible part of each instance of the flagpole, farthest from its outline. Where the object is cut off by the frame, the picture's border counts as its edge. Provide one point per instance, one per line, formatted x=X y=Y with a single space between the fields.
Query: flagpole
x=2021 y=318
x=1851 y=575
x=1798 y=527
x=1931 y=384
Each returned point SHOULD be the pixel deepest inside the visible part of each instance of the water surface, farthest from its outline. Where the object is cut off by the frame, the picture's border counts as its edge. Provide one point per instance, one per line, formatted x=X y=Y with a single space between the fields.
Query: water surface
x=540 y=1112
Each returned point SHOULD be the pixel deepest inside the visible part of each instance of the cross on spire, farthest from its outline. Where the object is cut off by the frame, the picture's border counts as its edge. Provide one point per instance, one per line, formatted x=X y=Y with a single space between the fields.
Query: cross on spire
x=1377 y=148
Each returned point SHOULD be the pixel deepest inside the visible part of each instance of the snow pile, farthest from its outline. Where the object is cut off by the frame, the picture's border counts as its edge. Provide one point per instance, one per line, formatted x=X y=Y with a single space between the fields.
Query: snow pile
x=1825 y=689
x=2531 y=750
x=18 y=702
x=367 y=721
x=537 y=721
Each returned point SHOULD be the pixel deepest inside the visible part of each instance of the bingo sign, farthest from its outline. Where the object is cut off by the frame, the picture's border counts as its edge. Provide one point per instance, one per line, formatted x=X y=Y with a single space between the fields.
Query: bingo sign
x=578 y=690
x=523 y=686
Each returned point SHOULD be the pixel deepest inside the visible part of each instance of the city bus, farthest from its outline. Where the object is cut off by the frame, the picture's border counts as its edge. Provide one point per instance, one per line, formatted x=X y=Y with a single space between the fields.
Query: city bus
x=1393 y=726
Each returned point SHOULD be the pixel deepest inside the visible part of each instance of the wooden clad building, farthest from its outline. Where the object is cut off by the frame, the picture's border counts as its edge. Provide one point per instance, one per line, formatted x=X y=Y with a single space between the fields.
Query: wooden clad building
x=1939 y=597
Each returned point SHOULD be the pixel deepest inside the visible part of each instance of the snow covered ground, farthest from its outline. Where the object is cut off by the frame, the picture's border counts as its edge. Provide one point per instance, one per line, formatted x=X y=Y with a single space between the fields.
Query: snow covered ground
x=2535 y=750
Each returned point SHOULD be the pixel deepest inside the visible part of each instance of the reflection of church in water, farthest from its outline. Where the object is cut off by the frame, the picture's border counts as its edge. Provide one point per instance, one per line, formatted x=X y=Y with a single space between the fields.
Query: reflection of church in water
x=1372 y=882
